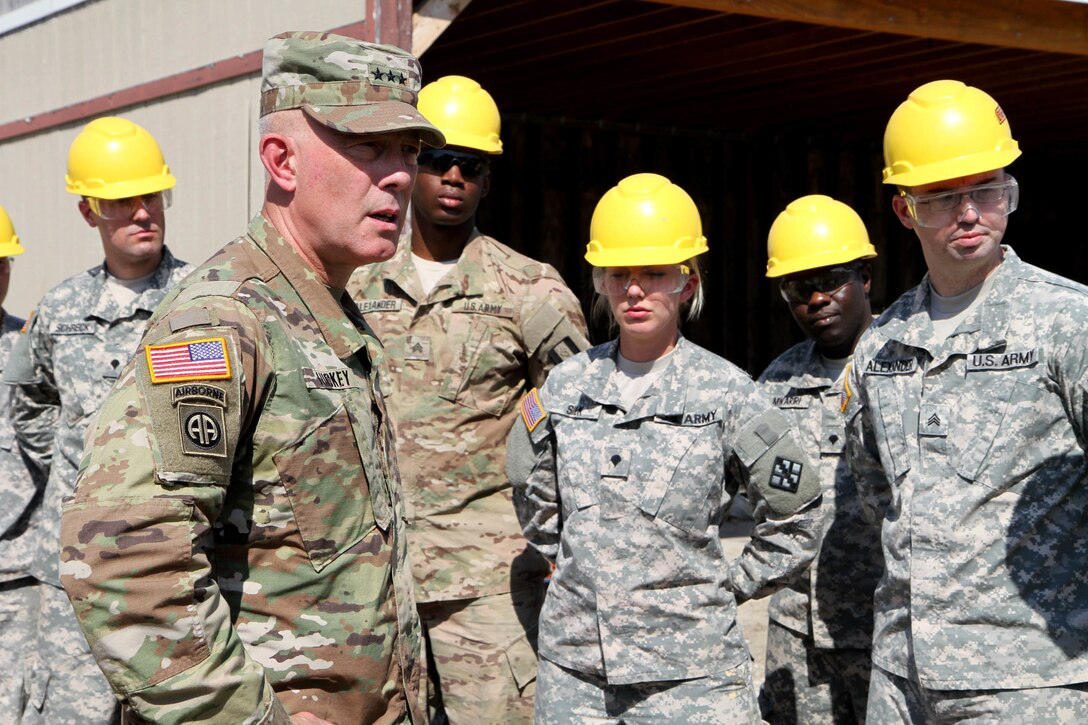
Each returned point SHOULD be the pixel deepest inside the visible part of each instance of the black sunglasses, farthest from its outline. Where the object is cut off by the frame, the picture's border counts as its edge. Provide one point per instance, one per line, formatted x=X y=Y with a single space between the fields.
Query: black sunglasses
x=828 y=282
x=442 y=161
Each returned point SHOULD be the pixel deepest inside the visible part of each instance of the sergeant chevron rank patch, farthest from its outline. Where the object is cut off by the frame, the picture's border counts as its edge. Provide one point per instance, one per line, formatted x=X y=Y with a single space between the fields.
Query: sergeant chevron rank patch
x=785 y=475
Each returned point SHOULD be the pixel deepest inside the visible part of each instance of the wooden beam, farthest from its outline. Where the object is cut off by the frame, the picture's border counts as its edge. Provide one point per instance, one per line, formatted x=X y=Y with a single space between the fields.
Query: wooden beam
x=431 y=20
x=1054 y=26
x=388 y=22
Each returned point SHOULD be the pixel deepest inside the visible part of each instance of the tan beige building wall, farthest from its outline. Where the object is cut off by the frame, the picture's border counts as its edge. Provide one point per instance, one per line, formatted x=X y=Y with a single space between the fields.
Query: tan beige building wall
x=208 y=135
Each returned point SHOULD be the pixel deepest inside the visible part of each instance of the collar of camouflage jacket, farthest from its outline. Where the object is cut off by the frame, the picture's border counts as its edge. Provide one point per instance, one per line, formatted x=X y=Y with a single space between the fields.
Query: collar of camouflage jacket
x=666 y=397
x=466 y=279
x=106 y=307
x=340 y=321
x=907 y=320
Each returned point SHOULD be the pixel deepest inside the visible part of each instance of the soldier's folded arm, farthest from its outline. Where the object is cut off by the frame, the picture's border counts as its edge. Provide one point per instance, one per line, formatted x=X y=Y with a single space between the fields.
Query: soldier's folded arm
x=137 y=545
x=786 y=495
x=35 y=400
x=530 y=467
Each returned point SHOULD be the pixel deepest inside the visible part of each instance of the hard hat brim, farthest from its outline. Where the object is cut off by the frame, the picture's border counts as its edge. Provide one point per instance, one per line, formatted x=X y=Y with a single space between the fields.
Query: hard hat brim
x=977 y=163
x=644 y=256
x=125 y=189
x=777 y=269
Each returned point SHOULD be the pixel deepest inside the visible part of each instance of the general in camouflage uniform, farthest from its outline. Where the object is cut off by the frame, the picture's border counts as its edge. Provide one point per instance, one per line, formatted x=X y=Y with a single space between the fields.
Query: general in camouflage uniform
x=967 y=429
x=821 y=626
x=460 y=352
x=20 y=497
x=80 y=336
x=235 y=550
x=622 y=476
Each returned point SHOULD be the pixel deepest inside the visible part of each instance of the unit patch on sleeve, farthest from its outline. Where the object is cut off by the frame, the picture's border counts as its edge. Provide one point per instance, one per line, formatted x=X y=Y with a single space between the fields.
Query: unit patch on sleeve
x=205 y=359
x=202 y=432
x=785 y=475
x=532 y=412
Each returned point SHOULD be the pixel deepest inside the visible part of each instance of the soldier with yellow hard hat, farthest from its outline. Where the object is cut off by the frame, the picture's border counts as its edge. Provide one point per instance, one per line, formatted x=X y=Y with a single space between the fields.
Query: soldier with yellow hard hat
x=967 y=412
x=624 y=465
x=818 y=658
x=468 y=326
x=80 y=336
x=20 y=495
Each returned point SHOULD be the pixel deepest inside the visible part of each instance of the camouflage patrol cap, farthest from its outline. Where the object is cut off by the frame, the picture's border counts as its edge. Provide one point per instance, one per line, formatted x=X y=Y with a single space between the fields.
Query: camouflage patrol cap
x=347 y=84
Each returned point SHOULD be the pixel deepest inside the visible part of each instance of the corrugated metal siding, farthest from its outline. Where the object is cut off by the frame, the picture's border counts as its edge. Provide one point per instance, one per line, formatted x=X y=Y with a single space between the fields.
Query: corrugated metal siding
x=113 y=44
x=207 y=136
x=207 y=140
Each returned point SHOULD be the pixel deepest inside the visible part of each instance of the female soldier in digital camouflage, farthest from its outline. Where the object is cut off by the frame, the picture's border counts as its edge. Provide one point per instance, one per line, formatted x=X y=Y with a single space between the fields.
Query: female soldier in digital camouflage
x=623 y=467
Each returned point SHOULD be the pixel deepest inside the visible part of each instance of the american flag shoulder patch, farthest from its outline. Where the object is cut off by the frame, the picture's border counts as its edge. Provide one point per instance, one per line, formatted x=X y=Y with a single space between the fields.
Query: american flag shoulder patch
x=532 y=412
x=844 y=396
x=204 y=359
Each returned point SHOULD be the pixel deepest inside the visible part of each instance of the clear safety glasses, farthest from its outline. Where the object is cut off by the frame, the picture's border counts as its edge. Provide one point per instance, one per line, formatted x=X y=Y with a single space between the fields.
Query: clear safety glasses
x=665 y=278
x=944 y=207
x=828 y=282
x=125 y=208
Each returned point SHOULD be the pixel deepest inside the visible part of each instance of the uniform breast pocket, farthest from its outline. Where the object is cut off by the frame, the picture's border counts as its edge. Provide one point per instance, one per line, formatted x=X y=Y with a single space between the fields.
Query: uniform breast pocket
x=486 y=372
x=1004 y=408
x=682 y=468
x=887 y=417
x=579 y=463
x=327 y=488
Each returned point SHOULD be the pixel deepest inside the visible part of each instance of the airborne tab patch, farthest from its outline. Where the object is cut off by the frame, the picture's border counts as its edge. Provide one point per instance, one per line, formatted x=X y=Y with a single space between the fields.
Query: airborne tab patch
x=532 y=412
x=204 y=359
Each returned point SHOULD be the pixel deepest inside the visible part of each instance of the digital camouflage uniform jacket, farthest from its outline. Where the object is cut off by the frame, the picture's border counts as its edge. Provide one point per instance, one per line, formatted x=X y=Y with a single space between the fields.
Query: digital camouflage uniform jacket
x=628 y=505
x=237 y=529
x=833 y=603
x=972 y=451
x=457 y=361
x=20 y=491
x=78 y=340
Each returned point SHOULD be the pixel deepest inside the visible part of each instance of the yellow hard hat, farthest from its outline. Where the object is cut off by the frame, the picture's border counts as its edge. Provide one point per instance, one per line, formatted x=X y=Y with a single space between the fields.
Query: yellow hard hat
x=946 y=130
x=642 y=221
x=113 y=158
x=9 y=240
x=816 y=231
x=463 y=111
